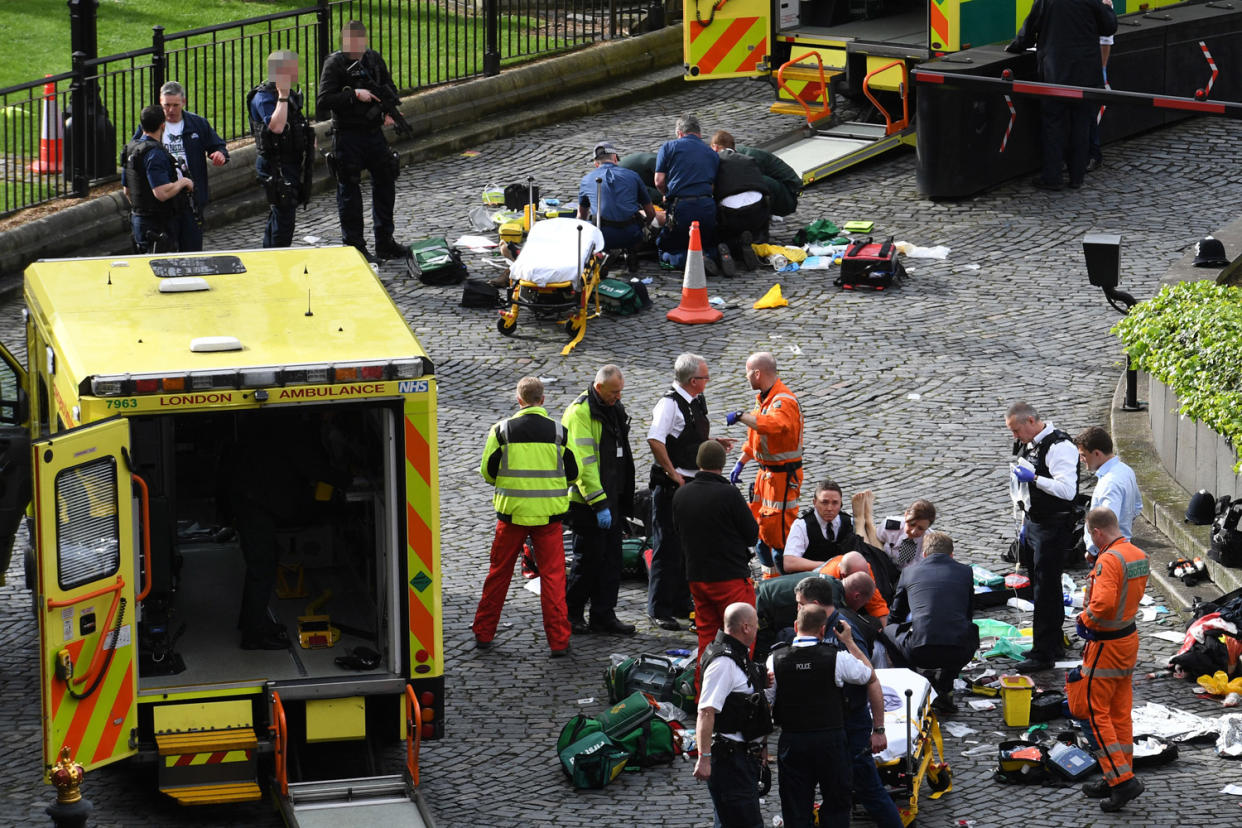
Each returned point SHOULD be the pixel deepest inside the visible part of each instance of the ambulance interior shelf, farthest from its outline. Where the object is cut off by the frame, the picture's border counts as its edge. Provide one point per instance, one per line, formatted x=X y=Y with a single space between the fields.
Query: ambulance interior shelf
x=188 y=633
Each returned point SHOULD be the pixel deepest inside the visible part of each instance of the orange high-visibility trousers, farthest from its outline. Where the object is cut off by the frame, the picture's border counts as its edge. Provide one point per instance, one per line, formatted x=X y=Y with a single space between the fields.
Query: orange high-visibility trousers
x=1108 y=671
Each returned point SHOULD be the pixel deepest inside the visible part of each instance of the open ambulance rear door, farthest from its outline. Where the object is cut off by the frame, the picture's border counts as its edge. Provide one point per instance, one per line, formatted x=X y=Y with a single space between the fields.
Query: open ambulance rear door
x=86 y=597
x=726 y=38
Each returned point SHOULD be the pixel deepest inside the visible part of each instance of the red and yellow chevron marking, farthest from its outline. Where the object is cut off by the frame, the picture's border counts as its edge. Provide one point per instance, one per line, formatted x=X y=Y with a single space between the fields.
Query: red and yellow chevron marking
x=92 y=727
x=422 y=527
x=943 y=36
x=219 y=757
x=727 y=47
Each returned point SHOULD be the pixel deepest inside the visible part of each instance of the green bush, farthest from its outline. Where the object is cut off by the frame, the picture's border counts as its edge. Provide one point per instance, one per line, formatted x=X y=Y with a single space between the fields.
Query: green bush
x=1189 y=337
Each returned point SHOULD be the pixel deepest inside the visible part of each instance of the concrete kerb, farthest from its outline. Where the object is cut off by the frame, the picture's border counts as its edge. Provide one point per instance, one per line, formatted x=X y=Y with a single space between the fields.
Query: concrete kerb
x=445 y=120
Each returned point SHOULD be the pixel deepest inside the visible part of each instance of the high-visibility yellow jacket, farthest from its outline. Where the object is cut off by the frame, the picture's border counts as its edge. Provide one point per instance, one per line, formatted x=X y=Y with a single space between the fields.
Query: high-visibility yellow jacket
x=529 y=462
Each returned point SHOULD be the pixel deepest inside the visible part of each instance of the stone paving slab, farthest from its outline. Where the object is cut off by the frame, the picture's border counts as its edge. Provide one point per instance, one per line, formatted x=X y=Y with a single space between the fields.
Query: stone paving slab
x=904 y=392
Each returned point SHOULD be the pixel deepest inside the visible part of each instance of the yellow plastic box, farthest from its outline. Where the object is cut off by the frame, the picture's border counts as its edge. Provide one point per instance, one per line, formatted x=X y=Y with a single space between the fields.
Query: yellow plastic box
x=1016 y=694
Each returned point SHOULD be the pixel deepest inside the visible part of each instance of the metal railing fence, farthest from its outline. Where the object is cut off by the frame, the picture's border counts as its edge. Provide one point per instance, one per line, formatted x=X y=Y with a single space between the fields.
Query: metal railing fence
x=61 y=134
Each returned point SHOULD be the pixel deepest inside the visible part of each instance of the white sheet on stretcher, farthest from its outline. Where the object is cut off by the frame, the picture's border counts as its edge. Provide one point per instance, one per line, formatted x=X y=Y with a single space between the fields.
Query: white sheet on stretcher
x=552 y=252
x=895 y=681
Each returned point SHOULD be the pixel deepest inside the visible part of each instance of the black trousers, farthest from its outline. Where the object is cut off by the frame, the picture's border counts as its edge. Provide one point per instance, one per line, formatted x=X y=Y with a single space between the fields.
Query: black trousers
x=258 y=544
x=946 y=659
x=734 y=786
x=732 y=222
x=281 y=217
x=1066 y=134
x=357 y=151
x=668 y=591
x=807 y=759
x=1050 y=541
x=595 y=573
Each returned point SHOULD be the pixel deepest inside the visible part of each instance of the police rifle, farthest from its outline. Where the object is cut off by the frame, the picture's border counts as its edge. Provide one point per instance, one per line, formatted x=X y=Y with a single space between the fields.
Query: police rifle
x=188 y=195
x=388 y=101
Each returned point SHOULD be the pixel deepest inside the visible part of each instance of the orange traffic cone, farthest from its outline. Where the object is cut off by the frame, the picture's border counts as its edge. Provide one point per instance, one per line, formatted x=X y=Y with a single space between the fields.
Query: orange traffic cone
x=694 y=308
x=51 y=134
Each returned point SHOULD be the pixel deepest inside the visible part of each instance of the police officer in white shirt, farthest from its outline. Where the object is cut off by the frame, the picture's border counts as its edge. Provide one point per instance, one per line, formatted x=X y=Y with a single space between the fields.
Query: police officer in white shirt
x=809 y=707
x=1047 y=466
x=733 y=721
x=679 y=425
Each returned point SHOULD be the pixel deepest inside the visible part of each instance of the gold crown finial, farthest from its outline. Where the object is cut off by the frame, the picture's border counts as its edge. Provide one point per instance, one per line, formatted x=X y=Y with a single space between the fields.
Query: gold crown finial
x=67 y=777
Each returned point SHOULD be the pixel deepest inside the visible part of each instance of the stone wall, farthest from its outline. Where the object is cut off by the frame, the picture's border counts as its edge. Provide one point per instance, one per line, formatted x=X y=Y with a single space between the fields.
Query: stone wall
x=1195 y=455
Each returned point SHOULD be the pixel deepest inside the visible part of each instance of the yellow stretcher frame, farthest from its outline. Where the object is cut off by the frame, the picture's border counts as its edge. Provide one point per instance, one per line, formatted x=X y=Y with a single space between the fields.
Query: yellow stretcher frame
x=520 y=296
x=926 y=755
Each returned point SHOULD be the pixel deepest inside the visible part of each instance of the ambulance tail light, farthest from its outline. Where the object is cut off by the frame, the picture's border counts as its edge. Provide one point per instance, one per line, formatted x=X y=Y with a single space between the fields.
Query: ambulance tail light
x=407 y=368
x=427 y=703
x=305 y=375
x=258 y=377
x=174 y=383
x=146 y=385
x=345 y=373
x=350 y=372
x=208 y=380
x=108 y=386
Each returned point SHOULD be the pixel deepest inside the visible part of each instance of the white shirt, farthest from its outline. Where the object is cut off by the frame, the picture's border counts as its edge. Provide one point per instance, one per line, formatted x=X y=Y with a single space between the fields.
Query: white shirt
x=1062 y=462
x=173 y=141
x=849 y=669
x=721 y=678
x=797 y=542
x=890 y=539
x=666 y=421
x=740 y=200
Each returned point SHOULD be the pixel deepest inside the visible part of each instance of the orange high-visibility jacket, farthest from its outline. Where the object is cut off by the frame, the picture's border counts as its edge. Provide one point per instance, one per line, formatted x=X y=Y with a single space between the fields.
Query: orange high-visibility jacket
x=875 y=606
x=776 y=438
x=1115 y=587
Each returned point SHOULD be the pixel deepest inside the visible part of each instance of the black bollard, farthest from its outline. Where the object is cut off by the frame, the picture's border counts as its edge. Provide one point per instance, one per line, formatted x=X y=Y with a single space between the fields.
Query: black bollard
x=69 y=810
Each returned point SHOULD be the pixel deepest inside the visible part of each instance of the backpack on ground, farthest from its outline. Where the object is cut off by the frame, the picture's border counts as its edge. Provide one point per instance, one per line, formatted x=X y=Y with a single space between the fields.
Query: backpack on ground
x=480 y=293
x=870 y=266
x=632 y=725
x=592 y=761
x=517 y=196
x=618 y=297
x=654 y=674
x=1226 y=536
x=434 y=262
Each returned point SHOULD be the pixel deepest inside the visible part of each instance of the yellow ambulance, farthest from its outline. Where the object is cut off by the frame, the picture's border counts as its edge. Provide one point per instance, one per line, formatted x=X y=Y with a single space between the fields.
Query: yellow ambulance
x=198 y=432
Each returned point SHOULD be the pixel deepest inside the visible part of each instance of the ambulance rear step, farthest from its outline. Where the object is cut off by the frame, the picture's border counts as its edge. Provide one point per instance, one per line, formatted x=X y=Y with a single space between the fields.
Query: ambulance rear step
x=355 y=803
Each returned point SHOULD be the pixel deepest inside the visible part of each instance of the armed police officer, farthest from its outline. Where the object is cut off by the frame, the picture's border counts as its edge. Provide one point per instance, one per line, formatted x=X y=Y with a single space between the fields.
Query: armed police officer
x=152 y=186
x=733 y=721
x=357 y=89
x=286 y=143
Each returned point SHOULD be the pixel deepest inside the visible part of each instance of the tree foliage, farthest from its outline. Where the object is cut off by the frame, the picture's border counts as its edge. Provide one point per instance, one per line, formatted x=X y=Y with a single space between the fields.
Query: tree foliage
x=1189 y=337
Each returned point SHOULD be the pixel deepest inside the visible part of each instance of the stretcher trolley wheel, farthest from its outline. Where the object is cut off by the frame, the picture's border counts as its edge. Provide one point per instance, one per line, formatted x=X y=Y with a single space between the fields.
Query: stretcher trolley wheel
x=506 y=326
x=572 y=326
x=940 y=778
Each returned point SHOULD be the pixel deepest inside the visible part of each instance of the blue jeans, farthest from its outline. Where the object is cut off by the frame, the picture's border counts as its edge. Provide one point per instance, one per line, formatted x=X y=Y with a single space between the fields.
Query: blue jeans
x=868 y=789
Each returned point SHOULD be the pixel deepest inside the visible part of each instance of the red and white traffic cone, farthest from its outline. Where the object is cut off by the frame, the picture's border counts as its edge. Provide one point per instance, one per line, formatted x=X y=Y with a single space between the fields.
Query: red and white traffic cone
x=51 y=134
x=694 y=308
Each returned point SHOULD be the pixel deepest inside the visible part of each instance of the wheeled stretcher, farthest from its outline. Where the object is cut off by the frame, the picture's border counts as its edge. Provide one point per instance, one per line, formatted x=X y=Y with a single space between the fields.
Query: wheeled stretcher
x=915 y=750
x=556 y=276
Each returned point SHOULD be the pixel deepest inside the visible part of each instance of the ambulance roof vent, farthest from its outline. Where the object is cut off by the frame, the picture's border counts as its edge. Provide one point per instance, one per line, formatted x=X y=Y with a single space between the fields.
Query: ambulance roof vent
x=183 y=284
x=207 y=344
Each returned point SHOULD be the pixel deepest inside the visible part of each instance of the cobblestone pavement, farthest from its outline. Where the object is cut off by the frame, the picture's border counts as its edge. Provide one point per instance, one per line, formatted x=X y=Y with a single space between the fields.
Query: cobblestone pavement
x=904 y=392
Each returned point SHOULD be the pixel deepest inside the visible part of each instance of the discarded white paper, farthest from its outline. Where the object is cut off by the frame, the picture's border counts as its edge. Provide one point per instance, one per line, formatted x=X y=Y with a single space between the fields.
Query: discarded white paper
x=982 y=704
x=1068 y=664
x=914 y=395
x=532 y=586
x=312 y=239
x=1232 y=790
x=1170 y=636
x=796 y=350
x=958 y=729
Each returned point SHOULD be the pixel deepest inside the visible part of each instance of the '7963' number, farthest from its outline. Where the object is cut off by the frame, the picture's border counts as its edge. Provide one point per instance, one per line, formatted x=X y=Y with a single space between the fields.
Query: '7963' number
x=128 y=403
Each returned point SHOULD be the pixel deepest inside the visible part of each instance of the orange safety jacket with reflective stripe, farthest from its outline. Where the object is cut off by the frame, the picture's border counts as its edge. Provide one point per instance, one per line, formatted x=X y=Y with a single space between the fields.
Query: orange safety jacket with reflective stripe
x=1115 y=587
x=776 y=438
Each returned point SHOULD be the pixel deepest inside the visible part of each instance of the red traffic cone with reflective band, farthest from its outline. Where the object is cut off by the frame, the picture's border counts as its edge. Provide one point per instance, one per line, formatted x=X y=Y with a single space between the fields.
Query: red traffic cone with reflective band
x=51 y=134
x=694 y=308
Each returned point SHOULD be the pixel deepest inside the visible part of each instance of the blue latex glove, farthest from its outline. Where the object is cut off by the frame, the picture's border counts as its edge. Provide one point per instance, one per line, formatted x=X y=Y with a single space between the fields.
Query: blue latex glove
x=603 y=518
x=736 y=474
x=1023 y=474
x=1084 y=632
x=731 y=418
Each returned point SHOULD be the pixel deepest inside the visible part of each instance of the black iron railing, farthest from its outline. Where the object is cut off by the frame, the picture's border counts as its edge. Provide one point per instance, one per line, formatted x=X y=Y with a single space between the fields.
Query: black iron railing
x=61 y=134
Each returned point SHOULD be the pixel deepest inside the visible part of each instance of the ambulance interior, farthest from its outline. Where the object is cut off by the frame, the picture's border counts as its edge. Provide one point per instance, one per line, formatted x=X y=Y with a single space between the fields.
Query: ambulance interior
x=326 y=476
x=872 y=21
